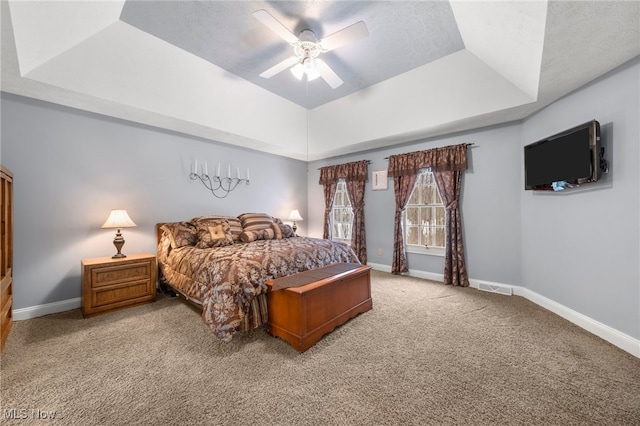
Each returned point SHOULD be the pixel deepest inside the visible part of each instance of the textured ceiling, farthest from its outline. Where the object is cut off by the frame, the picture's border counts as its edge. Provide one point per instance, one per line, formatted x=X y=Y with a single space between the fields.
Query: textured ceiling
x=403 y=36
x=427 y=68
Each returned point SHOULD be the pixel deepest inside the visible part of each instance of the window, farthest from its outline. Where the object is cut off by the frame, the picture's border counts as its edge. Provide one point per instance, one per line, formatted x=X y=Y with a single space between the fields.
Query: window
x=341 y=214
x=424 y=217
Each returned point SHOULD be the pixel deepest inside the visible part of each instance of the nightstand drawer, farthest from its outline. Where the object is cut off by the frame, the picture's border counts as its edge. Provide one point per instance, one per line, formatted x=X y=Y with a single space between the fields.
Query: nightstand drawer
x=121 y=292
x=116 y=274
x=109 y=284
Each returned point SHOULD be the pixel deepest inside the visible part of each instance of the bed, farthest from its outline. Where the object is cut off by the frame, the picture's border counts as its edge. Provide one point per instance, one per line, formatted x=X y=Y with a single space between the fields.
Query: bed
x=222 y=264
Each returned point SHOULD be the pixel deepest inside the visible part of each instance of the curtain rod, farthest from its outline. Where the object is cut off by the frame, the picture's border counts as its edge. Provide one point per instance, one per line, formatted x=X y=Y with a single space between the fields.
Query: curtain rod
x=467 y=144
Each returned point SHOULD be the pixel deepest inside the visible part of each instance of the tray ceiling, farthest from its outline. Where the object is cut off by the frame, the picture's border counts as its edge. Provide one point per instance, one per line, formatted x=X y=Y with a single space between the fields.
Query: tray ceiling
x=404 y=35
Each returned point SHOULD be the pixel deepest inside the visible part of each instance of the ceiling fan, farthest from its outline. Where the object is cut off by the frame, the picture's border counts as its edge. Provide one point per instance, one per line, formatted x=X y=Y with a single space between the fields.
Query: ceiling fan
x=307 y=49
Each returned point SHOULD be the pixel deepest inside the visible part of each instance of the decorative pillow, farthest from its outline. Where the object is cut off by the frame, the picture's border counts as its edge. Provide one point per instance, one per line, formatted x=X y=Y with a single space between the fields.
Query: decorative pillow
x=180 y=234
x=234 y=224
x=255 y=221
x=236 y=228
x=285 y=230
x=212 y=232
x=277 y=233
x=164 y=246
x=261 y=234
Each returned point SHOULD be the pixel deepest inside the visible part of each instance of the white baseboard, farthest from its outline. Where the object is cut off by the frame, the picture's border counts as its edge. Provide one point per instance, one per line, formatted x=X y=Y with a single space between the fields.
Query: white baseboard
x=380 y=267
x=426 y=275
x=46 y=309
x=611 y=335
x=412 y=272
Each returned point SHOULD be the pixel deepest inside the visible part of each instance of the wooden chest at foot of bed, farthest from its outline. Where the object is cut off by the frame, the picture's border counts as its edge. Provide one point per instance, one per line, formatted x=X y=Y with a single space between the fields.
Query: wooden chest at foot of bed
x=302 y=315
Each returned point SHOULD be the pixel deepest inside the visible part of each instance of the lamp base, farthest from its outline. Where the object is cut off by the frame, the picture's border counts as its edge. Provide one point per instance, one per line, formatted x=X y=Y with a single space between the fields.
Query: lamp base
x=118 y=241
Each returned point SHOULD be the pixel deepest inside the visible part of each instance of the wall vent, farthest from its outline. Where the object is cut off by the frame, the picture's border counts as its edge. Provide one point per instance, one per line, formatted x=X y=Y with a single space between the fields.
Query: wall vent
x=494 y=288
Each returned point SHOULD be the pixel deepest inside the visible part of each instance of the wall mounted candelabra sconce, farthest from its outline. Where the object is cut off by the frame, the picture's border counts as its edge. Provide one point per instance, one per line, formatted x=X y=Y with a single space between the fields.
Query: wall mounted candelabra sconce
x=220 y=186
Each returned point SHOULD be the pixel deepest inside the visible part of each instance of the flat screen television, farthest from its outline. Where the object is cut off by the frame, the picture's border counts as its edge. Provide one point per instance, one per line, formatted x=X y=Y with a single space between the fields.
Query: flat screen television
x=565 y=160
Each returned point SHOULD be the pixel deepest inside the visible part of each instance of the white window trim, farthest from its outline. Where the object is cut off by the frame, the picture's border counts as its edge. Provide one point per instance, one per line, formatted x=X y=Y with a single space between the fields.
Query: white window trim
x=422 y=250
x=427 y=251
x=331 y=223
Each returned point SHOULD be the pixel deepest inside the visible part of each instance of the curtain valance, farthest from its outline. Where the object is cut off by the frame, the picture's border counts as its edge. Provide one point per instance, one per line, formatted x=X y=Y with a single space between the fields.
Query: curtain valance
x=355 y=171
x=448 y=158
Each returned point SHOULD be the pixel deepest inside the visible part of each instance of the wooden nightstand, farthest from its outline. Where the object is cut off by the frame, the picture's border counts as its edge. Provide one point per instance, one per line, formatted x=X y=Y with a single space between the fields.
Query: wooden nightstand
x=109 y=284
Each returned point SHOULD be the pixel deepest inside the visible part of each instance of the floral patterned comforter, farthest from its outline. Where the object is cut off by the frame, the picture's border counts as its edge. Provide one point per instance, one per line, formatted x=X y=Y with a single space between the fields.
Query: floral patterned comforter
x=226 y=279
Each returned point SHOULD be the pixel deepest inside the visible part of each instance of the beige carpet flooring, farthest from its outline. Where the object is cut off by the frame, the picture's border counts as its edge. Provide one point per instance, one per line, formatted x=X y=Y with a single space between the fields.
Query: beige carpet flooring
x=427 y=354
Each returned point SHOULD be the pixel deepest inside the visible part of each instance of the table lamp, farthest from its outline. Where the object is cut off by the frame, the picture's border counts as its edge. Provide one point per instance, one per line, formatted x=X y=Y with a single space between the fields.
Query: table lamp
x=293 y=216
x=118 y=219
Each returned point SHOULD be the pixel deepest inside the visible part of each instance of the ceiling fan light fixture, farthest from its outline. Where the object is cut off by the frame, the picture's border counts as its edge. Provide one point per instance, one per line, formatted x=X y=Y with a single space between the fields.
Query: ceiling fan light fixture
x=308 y=68
x=309 y=65
x=307 y=48
x=312 y=74
x=298 y=71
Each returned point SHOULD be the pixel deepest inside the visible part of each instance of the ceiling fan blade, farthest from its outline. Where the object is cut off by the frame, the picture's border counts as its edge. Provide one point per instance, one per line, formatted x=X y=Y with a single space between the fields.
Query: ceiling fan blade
x=279 y=67
x=346 y=35
x=327 y=74
x=268 y=20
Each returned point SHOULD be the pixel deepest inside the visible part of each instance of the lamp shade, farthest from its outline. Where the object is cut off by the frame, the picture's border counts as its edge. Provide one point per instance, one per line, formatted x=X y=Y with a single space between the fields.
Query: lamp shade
x=295 y=215
x=118 y=219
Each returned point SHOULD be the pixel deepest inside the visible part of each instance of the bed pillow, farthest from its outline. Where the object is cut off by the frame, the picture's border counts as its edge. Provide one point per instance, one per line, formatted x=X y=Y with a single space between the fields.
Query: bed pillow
x=180 y=234
x=286 y=231
x=255 y=221
x=212 y=232
x=164 y=247
x=261 y=234
x=277 y=233
x=234 y=225
x=236 y=228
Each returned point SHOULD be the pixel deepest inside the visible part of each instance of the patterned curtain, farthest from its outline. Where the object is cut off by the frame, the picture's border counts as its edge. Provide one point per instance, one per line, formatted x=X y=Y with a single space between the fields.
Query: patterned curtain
x=455 y=270
x=355 y=175
x=402 y=186
x=355 y=189
x=447 y=164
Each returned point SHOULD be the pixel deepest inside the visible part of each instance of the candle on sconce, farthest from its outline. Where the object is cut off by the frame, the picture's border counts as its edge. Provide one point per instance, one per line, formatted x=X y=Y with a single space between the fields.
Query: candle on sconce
x=219 y=186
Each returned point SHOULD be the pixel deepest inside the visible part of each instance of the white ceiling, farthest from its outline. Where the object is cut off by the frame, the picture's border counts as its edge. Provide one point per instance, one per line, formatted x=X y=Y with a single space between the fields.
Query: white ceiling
x=245 y=47
x=426 y=69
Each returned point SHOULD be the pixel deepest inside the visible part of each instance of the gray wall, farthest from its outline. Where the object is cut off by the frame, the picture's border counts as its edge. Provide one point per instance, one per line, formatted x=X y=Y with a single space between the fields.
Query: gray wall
x=72 y=167
x=490 y=205
x=579 y=249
